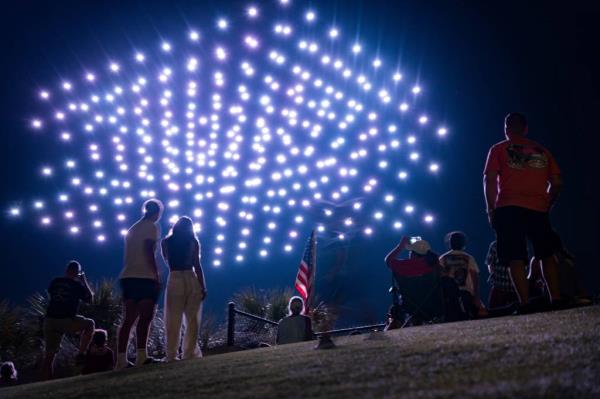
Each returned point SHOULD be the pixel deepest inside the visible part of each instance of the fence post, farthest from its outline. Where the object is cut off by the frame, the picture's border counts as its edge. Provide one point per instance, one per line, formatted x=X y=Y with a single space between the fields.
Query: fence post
x=231 y=324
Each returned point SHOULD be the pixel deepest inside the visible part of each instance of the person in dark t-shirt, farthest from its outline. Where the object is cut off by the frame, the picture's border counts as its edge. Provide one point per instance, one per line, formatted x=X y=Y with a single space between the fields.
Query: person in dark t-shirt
x=61 y=315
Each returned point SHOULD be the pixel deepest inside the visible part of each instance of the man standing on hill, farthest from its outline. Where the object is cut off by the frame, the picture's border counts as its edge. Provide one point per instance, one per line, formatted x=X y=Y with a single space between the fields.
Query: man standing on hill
x=140 y=283
x=521 y=184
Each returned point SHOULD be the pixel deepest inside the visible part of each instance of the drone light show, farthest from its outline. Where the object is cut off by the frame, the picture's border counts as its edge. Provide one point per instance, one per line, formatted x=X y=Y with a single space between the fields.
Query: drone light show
x=259 y=129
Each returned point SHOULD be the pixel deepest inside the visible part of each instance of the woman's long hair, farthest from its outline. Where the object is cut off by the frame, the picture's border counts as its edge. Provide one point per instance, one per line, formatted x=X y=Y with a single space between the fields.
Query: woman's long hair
x=179 y=240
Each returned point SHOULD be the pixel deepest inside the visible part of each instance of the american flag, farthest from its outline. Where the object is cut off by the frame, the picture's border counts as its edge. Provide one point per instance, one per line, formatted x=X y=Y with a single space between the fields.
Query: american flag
x=305 y=279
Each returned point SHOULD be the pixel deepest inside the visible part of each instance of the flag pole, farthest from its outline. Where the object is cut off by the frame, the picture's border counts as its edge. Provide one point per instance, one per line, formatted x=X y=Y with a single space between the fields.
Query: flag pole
x=314 y=262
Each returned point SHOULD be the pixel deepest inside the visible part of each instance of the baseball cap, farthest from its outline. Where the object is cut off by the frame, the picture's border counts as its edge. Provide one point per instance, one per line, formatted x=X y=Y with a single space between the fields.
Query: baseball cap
x=421 y=247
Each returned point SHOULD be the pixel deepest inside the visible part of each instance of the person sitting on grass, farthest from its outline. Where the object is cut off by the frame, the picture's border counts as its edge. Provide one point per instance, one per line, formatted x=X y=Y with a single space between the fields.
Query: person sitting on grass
x=462 y=268
x=502 y=293
x=295 y=327
x=99 y=357
x=61 y=315
x=8 y=375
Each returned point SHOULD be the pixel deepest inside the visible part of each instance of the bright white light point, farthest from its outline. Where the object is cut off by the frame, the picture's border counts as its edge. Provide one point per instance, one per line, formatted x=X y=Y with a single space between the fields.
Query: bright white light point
x=15 y=211
x=402 y=175
x=194 y=36
x=404 y=107
x=252 y=12
x=376 y=63
x=397 y=77
x=442 y=131
x=284 y=2
x=90 y=77
x=36 y=124
x=378 y=215
x=409 y=209
x=239 y=258
x=46 y=221
x=74 y=229
x=368 y=231
x=434 y=167
x=287 y=248
x=101 y=238
x=263 y=253
x=139 y=57
x=423 y=120
x=114 y=67
x=389 y=198
x=341 y=236
x=333 y=33
x=397 y=225
x=222 y=24
x=416 y=90
x=310 y=16
x=428 y=219
x=67 y=86
x=356 y=48
x=44 y=95
x=221 y=53
x=216 y=263
x=166 y=47
x=414 y=156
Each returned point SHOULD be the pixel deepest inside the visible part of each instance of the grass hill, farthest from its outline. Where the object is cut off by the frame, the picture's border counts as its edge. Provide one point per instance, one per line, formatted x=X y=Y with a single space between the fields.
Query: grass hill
x=553 y=354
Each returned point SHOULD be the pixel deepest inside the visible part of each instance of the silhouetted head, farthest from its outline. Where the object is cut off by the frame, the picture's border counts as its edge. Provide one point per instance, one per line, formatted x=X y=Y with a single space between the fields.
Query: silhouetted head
x=8 y=371
x=456 y=240
x=296 y=305
x=515 y=124
x=99 y=338
x=152 y=209
x=184 y=227
x=73 y=269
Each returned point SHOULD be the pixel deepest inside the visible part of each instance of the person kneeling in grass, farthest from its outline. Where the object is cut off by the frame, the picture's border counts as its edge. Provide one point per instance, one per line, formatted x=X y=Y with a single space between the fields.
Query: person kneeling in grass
x=99 y=357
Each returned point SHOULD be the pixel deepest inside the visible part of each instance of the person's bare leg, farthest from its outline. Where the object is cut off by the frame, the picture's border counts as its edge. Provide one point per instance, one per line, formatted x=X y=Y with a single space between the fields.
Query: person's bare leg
x=550 y=274
x=518 y=276
x=146 y=308
x=48 y=366
x=86 y=336
x=130 y=315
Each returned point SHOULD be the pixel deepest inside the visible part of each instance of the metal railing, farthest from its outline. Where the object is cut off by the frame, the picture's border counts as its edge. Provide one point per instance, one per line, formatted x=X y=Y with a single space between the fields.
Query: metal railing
x=232 y=312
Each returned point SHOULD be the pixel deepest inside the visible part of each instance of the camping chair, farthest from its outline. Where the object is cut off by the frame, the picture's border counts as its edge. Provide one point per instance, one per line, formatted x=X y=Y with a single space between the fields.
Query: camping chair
x=418 y=299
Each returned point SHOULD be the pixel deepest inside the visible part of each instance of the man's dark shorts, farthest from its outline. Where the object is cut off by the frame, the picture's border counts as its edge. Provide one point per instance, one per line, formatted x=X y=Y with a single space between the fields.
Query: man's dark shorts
x=139 y=289
x=514 y=225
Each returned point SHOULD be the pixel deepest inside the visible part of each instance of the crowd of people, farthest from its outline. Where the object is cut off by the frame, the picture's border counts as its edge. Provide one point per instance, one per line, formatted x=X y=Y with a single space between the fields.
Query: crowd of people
x=521 y=184
x=140 y=287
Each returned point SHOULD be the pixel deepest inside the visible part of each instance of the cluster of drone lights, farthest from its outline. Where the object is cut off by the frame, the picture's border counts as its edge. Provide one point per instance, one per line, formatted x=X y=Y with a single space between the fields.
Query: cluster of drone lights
x=259 y=141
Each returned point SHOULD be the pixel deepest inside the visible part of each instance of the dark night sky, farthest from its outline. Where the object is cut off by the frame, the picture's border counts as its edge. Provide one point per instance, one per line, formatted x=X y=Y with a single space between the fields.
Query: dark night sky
x=479 y=60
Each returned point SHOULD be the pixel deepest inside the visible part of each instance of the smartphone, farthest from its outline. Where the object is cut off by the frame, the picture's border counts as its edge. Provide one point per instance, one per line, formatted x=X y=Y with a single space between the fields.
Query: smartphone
x=415 y=239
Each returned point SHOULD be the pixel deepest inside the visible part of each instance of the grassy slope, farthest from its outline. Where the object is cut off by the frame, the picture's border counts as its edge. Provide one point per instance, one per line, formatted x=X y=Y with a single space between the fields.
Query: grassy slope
x=553 y=354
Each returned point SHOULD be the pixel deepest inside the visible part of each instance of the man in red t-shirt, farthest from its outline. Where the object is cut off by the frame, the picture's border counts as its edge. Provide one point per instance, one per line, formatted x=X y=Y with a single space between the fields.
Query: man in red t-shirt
x=521 y=183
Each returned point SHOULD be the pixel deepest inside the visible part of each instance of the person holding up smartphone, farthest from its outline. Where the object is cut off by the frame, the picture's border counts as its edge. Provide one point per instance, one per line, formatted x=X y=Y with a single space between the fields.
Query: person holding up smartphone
x=61 y=315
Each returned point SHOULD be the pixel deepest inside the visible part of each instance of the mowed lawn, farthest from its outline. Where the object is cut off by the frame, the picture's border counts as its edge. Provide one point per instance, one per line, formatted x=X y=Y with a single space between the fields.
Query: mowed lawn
x=553 y=354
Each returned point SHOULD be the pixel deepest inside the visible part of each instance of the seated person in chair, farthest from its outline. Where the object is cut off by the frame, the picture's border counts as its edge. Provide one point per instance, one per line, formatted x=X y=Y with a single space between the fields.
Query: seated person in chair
x=420 y=277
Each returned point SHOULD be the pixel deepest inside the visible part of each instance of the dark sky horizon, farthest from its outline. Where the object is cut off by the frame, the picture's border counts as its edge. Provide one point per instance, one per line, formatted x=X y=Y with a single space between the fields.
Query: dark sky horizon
x=480 y=60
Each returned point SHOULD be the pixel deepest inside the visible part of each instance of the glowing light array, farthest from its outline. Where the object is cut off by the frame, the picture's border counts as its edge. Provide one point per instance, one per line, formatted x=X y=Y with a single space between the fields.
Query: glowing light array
x=258 y=137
